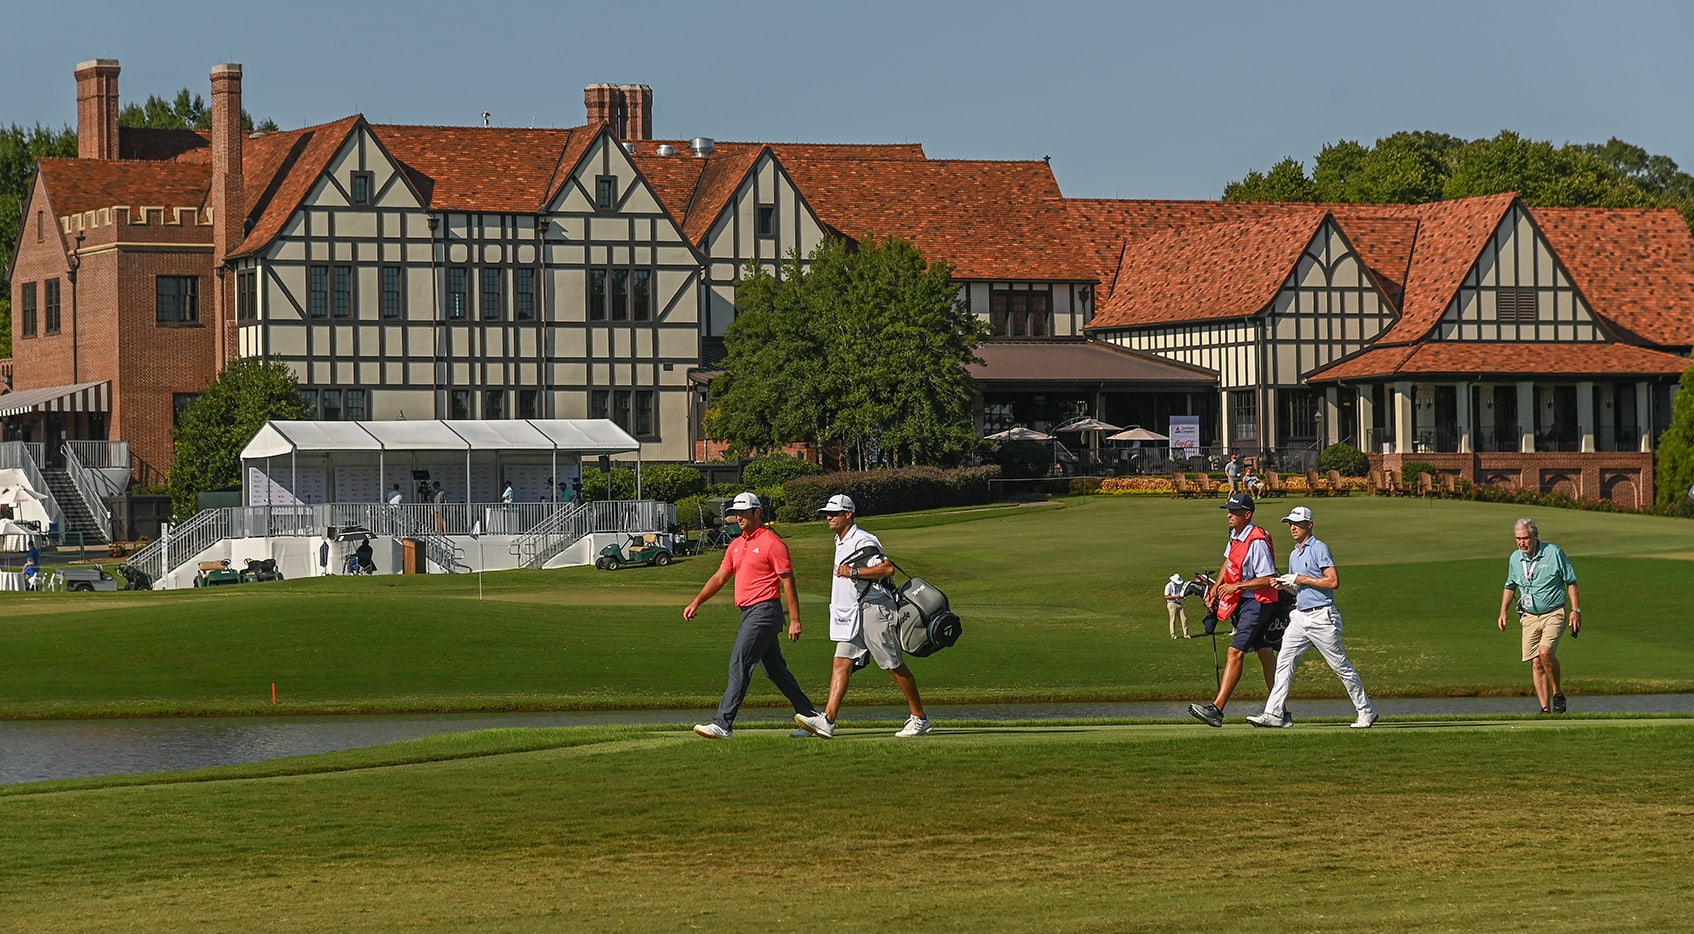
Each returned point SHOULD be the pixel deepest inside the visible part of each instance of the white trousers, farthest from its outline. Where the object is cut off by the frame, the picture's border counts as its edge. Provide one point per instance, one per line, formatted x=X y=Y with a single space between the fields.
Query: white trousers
x=1319 y=628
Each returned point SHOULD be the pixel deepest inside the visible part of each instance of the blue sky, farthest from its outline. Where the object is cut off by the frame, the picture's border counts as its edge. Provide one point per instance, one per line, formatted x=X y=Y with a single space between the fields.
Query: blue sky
x=1133 y=100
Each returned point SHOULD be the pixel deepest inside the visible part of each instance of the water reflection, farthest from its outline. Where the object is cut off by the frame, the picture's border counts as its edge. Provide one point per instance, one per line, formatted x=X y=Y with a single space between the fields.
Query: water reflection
x=39 y=750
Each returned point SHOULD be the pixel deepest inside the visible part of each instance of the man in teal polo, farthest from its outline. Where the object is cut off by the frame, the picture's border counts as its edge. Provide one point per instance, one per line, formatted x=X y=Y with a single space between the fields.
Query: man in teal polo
x=1540 y=579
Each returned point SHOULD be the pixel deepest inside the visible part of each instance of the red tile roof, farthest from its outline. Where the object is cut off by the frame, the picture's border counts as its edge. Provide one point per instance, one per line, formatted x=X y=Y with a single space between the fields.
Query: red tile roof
x=1231 y=270
x=1635 y=267
x=1453 y=358
x=990 y=220
x=279 y=171
x=78 y=185
x=1450 y=238
x=489 y=169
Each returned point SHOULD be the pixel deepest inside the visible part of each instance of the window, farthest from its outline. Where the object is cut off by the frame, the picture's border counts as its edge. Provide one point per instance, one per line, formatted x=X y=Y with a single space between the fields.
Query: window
x=1020 y=314
x=27 y=297
x=458 y=284
x=766 y=221
x=643 y=416
x=490 y=294
x=494 y=403
x=309 y=399
x=330 y=399
x=180 y=401
x=361 y=184
x=1244 y=416
x=619 y=299
x=605 y=192
x=356 y=407
x=529 y=403
x=1516 y=303
x=341 y=299
x=641 y=294
x=459 y=404
x=50 y=307
x=317 y=291
x=247 y=295
x=40 y=226
x=391 y=294
x=620 y=408
x=596 y=294
x=523 y=294
x=599 y=403
x=178 y=299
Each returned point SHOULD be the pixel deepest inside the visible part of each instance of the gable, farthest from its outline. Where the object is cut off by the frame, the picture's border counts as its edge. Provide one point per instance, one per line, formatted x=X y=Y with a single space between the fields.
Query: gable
x=604 y=160
x=362 y=152
x=1518 y=290
x=1327 y=308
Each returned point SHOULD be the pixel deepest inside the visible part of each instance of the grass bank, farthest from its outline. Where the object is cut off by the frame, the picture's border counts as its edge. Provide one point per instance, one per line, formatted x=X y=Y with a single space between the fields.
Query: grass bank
x=1061 y=602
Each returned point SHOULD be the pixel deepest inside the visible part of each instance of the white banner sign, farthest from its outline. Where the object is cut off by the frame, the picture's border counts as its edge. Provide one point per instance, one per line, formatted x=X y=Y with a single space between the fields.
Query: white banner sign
x=1185 y=433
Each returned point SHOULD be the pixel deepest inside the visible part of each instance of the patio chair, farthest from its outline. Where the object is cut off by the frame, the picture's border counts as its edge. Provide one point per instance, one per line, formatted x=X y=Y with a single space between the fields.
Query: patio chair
x=1315 y=485
x=1338 y=486
x=1426 y=485
x=1449 y=486
x=1392 y=480
x=1181 y=486
x=1207 y=486
x=1274 y=485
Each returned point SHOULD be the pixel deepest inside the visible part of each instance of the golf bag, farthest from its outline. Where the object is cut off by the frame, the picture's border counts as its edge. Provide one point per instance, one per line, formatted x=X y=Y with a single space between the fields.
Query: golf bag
x=926 y=623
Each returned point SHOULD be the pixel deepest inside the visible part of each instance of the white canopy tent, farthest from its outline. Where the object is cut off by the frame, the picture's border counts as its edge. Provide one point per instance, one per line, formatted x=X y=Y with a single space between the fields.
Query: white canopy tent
x=406 y=440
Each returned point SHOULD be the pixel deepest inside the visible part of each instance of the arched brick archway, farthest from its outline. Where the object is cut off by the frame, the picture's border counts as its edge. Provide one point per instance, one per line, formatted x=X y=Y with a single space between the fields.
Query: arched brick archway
x=1562 y=483
x=1621 y=490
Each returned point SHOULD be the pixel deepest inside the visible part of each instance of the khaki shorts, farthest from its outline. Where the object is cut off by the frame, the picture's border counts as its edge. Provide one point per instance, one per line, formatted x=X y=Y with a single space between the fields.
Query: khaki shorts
x=1542 y=629
x=879 y=634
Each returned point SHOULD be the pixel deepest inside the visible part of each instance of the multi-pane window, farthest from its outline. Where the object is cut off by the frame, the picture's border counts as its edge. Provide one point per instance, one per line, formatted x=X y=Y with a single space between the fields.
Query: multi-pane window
x=599 y=403
x=341 y=298
x=641 y=294
x=529 y=403
x=618 y=298
x=494 y=403
x=632 y=410
x=1244 y=415
x=391 y=291
x=356 y=405
x=490 y=294
x=361 y=184
x=178 y=299
x=620 y=408
x=459 y=403
x=605 y=192
x=317 y=291
x=1020 y=314
x=50 y=307
x=597 y=295
x=330 y=399
x=458 y=293
x=247 y=295
x=523 y=294
x=766 y=221
x=643 y=415
x=309 y=399
x=28 y=300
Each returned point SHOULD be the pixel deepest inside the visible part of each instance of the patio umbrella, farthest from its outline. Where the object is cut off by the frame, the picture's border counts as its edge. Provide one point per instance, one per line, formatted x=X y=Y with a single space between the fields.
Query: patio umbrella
x=1019 y=433
x=1137 y=433
x=355 y=533
x=1087 y=424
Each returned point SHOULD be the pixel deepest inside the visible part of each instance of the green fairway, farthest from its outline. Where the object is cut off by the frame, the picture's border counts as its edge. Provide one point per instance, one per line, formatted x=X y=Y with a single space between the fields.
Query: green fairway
x=1060 y=601
x=1450 y=826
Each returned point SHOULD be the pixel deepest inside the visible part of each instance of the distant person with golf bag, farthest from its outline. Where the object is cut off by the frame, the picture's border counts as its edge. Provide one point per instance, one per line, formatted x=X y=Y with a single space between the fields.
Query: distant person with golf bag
x=1246 y=597
x=1314 y=621
x=863 y=620
x=1540 y=579
x=760 y=563
x=1175 y=589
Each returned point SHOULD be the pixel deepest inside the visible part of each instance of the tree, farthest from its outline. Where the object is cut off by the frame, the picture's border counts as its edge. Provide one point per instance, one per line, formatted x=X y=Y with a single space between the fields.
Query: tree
x=216 y=426
x=1673 y=476
x=1286 y=181
x=186 y=112
x=863 y=349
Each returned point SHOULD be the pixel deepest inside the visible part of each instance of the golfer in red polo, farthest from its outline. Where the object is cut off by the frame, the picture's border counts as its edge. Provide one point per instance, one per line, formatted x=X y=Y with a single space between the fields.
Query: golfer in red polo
x=758 y=560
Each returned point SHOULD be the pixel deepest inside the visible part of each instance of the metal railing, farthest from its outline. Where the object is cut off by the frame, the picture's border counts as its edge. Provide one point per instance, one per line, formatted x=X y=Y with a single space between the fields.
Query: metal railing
x=186 y=540
x=547 y=540
x=25 y=456
x=84 y=463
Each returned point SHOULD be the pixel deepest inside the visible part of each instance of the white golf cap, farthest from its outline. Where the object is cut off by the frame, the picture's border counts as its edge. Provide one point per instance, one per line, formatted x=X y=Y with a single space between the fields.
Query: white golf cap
x=1176 y=578
x=745 y=502
x=1298 y=514
x=840 y=502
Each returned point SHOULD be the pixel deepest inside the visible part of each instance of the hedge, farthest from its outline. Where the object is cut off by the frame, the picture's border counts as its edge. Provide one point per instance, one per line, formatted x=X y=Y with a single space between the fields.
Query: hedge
x=885 y=491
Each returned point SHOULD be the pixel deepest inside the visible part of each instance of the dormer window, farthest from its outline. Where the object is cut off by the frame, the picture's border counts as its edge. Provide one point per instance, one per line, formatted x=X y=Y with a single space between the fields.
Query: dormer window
x=605 y=192
x=766 y=221
x=360 y=187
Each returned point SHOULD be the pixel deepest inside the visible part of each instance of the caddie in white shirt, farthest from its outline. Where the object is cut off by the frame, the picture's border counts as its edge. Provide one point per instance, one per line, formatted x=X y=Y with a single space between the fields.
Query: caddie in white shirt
x=863 y=619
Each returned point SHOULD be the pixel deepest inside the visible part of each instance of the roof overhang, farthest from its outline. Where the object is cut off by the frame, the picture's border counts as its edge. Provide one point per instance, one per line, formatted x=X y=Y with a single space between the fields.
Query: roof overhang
x=77 y=397
x=535 y=435
x=1527 y=361
x=1007 y=364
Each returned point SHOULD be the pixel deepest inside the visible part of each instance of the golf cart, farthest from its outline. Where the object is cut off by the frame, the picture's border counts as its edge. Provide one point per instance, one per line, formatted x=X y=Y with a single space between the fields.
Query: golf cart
x=260 y=569
x=216 y=574
x=642 y=550
x=86 y=580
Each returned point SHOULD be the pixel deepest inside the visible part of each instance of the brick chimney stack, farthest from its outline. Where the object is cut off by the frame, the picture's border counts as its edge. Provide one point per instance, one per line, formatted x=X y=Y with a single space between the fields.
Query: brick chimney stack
x=605 y=105
x=229 y=211
x=97 y=109
x=638 y=108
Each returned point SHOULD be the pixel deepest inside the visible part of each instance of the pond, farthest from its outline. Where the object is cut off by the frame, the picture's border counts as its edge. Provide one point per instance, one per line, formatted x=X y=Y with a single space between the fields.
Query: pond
x=40 y=750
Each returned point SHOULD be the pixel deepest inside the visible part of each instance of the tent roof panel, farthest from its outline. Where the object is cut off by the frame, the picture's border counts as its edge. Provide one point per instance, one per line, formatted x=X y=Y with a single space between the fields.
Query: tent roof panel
x=419 y=434
x=572 y=435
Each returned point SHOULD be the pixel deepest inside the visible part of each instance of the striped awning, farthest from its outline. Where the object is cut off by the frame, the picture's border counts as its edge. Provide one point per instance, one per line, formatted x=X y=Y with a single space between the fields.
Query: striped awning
x=81 y=397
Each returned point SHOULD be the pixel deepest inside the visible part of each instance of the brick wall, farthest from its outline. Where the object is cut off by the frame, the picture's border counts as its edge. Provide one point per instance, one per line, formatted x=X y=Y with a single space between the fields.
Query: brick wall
x=1621 y=477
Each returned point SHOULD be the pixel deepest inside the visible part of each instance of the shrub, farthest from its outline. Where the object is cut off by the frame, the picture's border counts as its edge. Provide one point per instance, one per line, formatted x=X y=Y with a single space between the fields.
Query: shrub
x=775 y=470
x=1082 y=486
x=695 y=512
x=1409 y=471
x=1345 y=459
x=1021 y=460
x=671 y=482
x=594 y=484
x=885 y=491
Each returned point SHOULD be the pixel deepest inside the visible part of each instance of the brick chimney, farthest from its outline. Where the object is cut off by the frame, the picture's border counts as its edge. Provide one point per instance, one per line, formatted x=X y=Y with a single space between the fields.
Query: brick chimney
x=97 y=109
x=229 y=211
x=605 y=105
x=638 y=108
